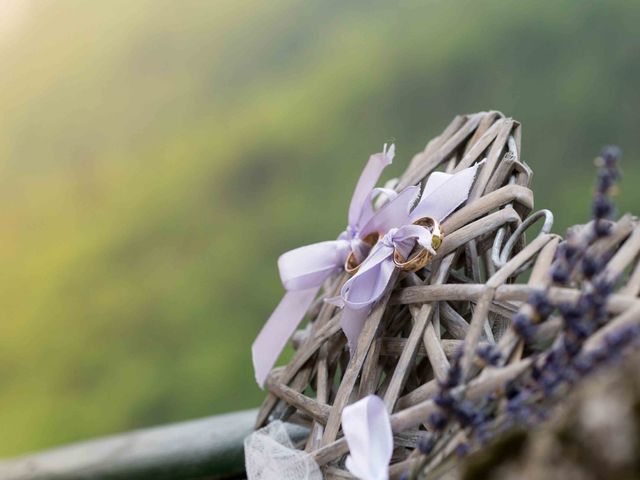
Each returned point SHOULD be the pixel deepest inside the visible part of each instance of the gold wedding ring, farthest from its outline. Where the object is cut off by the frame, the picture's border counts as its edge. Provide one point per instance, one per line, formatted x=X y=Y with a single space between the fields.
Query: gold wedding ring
x=351 y=264
x=422 y=256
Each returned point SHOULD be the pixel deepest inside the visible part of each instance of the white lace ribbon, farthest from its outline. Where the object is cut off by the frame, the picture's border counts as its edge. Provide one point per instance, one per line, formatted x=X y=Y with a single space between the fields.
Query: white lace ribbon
x=270 y=455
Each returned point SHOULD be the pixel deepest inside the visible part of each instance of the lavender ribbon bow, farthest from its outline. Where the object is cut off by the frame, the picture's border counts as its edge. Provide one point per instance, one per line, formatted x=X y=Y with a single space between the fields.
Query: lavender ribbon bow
x=443 y=193
x=367 y=428
x=304 y=270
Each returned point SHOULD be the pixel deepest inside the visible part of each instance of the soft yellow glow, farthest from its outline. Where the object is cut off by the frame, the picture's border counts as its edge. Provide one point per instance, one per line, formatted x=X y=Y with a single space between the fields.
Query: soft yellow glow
x=12 y=14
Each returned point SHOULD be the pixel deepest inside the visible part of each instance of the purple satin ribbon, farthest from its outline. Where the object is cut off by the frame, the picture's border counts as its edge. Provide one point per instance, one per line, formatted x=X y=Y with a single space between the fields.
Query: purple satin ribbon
x=443 y=193
x=304 y=270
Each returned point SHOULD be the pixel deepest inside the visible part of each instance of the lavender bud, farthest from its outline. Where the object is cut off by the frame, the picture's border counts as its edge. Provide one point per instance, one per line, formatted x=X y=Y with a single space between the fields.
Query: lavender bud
x=444 y=400
x=590 y=266
x=465 y=414
x=539 y=301
x=605 y=181
x=602 y=228
x=438 y=420
x=462 y=449
x=602 y=206
x=523 y=326
x=426 y=444
x=560 y=273
x=603 y=286
x=610 y=156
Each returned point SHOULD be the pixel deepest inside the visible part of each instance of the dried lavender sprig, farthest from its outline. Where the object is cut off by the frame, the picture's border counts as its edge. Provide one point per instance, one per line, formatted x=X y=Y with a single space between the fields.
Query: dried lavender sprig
x=602 y=207
x=574 y=251
x=561 y=366
x=580 y=319
x=589 y=311
x=565 y=362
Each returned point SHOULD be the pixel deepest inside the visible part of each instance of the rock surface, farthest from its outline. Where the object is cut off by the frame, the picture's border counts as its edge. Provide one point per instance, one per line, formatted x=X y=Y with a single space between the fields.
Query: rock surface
x=593 y=434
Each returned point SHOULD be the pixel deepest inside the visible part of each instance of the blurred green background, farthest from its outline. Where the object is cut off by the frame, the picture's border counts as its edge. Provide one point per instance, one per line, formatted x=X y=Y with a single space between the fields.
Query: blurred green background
x=157 y=156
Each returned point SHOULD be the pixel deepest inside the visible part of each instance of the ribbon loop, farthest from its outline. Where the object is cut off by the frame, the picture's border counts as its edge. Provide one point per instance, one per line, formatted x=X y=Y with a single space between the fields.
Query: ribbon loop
x=367 y=429
x=304 y=270
x=309 y=266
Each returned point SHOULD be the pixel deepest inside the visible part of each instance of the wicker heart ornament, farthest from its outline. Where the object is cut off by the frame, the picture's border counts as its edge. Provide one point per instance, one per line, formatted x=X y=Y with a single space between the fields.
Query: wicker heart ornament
x=450 y=303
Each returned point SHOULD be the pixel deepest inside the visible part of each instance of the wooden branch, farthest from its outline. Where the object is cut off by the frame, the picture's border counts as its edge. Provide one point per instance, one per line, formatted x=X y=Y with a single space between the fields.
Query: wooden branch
x=209 y=448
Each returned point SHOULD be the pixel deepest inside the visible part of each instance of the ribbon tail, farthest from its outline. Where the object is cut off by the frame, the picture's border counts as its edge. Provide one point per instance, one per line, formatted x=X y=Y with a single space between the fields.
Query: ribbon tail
x=276 y=332
x=443 y=193
x=360 y=201
x=352 y=323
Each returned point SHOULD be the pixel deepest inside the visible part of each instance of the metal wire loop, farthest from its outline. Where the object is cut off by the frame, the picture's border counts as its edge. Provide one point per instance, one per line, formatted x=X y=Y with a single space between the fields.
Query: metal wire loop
x=500 y=255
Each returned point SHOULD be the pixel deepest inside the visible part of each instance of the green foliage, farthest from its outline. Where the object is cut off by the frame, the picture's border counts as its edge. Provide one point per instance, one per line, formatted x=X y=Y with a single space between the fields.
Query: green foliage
x=157 y=156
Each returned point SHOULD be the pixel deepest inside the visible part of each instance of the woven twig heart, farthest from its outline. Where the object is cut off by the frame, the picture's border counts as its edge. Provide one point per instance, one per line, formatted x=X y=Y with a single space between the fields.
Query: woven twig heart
x=457 y=302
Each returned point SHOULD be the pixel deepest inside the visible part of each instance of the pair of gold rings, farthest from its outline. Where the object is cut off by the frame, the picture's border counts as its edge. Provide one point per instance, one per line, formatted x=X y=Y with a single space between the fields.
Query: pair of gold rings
x=415 y=262
x=422 y=256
